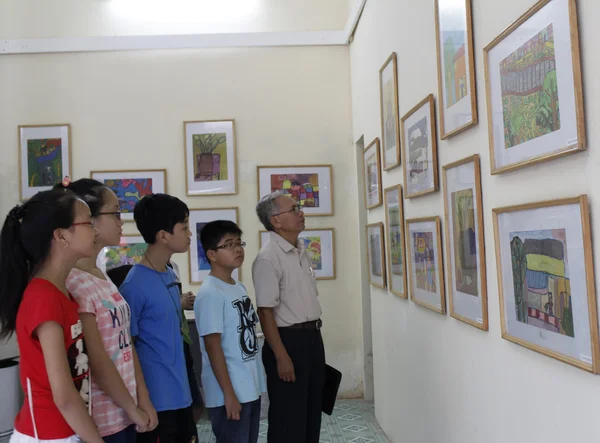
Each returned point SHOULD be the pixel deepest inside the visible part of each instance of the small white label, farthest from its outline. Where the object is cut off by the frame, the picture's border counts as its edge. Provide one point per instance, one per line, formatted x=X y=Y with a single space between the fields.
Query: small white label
x=470 y=119
x=439 y=306
x=586 y=358
x=573 y=141
x=479 y=320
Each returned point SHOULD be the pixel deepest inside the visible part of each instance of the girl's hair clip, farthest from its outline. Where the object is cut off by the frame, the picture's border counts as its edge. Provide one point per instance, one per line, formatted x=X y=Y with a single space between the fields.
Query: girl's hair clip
x=66 y=181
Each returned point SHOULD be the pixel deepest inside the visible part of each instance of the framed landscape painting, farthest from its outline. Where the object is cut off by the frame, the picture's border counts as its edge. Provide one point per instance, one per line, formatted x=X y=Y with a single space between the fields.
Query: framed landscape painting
x=396 y=252
x=372 y=174
x=130 y=251
x=546 y=279
x=376 y=255
x=456 y=68
x=310 y=185
x=131 y=186
x=425 y=258
x=534 y=88
x=390 y=124
x=44 y=157
x=465 y=250
x=419 y=141
x=210 y=157
x=320 y=247
x=198 y=263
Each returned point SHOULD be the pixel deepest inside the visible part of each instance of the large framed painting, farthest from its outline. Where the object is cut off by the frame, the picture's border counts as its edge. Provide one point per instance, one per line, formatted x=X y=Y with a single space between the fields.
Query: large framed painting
x=425 y=258
x=310 y=185
x=44 y=157
x=132 y=185
x=455 y=65
x=372 y=174
x=396 y=252
x=130 y=251
x=390 y=122
x=465 y=250
x=210 y=157
x=419 y=143
x=376 y=255
x=534 y=88
x=546 y=279
x=198 y=263
x=319 y=244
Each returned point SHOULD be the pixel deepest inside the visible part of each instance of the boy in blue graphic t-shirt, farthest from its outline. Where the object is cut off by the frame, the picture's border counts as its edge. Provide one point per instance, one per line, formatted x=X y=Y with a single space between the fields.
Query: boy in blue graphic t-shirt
x=232 y=373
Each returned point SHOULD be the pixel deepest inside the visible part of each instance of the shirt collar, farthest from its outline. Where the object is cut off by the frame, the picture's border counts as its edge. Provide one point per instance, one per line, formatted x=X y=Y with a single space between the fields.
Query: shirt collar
x=283 y=243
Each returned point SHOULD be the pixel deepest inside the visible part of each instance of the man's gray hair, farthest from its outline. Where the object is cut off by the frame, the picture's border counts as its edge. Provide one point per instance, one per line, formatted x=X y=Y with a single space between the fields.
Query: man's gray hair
x=266 y=207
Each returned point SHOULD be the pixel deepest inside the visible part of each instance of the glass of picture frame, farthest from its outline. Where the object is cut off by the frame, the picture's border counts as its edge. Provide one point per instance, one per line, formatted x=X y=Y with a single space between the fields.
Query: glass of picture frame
x=390 y=121
x=396 y=251
x=372 y=174
x=376 y=255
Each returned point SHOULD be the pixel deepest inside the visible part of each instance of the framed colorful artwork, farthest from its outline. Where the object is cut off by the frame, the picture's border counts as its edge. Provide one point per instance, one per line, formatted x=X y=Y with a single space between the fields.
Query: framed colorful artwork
x=376 y=255
x=372 y=174
x=310 y=185
x=420 y=149
x=320 y=246
x=390 y=122
x=396 y=252
x=425 y=258
x=210 y=158
x=534 y=88
x=130 y=251
x=546 y=279
x=132 y=185
x=455 y=66
x=198 y=263
x=465 y=250
x=44 y=157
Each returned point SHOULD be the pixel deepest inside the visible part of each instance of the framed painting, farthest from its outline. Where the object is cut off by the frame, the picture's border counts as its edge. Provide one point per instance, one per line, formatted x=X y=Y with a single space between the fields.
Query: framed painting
x=372 y=174
x=320 y=247
x=198 y=263
x=44 y=157
x=210 y=158
x=390 y=122
x=457 y=94
x=131 y=186
x=376 y=255
x=546 y=279
x=534 y=88
x=425 y=257
x=130 y=251
x=420 y=149
x=465 y=250
x=310 y=185
x=396 y=252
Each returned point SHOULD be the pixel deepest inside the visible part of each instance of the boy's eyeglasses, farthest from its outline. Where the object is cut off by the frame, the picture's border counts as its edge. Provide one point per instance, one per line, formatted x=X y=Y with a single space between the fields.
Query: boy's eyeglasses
x=116 y=214
x=231 y=246
x=295 y=209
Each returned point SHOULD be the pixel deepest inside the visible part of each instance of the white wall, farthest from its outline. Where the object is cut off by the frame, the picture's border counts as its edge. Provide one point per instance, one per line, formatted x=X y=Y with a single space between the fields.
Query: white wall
x=437 y=379
x=291 y=106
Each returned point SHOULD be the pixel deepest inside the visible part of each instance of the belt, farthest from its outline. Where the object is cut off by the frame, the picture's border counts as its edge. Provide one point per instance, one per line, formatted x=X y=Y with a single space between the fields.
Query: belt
x=314 y=324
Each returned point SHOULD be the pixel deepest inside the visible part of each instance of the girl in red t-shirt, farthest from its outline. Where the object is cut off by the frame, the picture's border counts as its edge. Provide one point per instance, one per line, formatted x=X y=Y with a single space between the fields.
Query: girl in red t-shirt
x=40 y=242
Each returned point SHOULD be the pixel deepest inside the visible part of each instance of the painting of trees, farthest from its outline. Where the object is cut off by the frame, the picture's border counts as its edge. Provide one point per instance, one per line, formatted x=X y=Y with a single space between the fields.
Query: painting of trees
x=519 y=269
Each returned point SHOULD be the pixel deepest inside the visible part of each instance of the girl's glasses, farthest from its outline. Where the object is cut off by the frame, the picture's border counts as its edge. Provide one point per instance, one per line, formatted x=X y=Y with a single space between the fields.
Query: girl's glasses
x=116 y=214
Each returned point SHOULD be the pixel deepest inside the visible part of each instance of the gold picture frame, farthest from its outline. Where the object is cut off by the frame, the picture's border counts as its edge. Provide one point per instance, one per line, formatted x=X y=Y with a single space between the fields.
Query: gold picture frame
x=395 y=236
x=372 y=174
x=389 y=113
x=376 y=255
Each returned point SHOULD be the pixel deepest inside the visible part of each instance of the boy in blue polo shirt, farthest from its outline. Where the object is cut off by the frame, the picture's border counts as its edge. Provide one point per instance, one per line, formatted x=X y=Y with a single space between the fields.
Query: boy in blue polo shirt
x=232 y=373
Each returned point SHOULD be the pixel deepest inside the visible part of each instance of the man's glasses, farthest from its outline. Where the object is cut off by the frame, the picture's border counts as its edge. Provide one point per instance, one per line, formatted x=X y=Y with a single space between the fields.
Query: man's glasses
x=231 y=246
x=295 y=209
x=116 y=214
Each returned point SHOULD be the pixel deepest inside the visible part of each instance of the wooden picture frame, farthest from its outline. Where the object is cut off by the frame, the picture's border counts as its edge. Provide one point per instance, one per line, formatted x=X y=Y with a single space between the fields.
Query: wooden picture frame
x=425 y=246
x=130 y=251
x=376 y=255
x=419 y=141
x=390 y=120
x=543 y=255
x=131 y=185
x=44 y=155
x=198 y=266
x=322 y=255
x=372 y=174
x=396 y=244
x=535 y=103
x=205 y=144
x=465 y=245
x=310 y=185
x=457 y=101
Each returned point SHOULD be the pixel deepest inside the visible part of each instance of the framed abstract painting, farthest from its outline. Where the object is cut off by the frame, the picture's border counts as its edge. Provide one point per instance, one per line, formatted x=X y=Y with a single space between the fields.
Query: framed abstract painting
x=310 y=185
x=534 y=88
x=131 y=186
x=425 y=258
x=372 y=174
x=457 y=95
x=396 y=251
x=44 y=157
x=198 y=263
x=376 y=255
x=465 y=250
x=130 y=251
x=210 y=157
x=546 y=279
x=390 y=121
